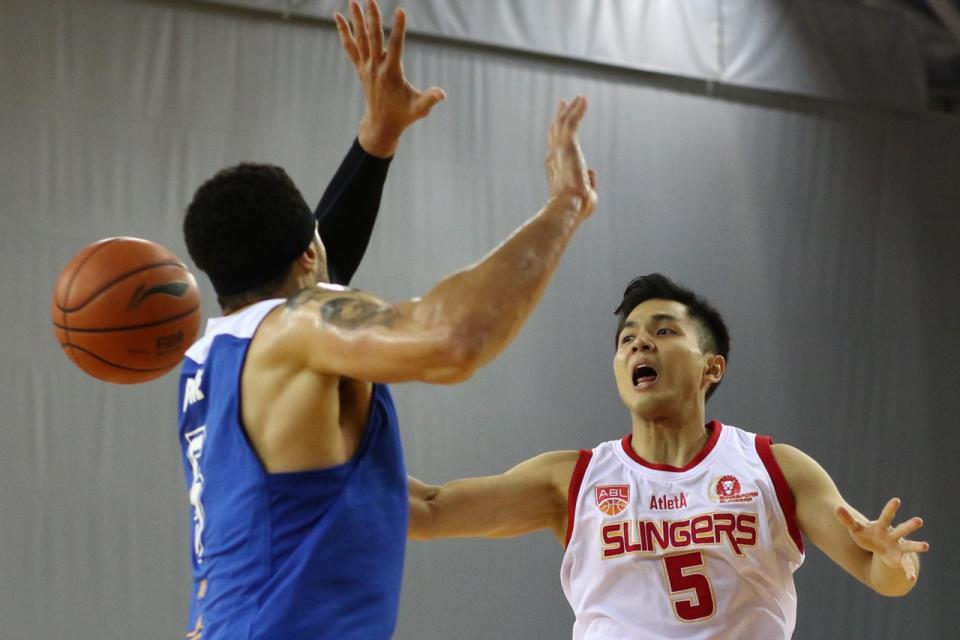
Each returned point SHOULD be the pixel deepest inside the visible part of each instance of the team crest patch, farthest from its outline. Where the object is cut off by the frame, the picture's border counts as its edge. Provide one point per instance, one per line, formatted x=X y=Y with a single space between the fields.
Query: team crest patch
x=726 y=489
x=612 y=499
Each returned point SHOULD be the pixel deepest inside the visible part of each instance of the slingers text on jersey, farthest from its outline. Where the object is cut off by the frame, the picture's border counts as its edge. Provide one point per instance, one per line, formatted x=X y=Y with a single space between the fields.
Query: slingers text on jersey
x=738 y=530
x=703 y=551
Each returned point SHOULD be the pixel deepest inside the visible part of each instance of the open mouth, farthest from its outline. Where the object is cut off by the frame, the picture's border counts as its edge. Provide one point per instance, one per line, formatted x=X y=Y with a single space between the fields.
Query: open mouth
x=643 y=375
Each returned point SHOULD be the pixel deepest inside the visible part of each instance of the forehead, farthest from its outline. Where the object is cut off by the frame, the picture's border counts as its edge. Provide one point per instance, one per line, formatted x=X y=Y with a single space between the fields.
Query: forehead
x=652 y=309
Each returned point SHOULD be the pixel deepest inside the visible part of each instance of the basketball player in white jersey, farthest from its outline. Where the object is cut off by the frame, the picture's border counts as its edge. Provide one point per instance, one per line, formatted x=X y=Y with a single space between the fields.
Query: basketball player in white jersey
x=684 y=528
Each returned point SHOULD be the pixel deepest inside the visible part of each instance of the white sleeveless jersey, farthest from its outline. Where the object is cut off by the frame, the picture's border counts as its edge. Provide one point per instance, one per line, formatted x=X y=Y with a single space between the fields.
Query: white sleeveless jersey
x=703 y=551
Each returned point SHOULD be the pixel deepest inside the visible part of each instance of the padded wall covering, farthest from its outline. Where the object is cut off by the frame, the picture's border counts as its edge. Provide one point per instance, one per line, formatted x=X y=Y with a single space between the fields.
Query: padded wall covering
x=826 y=234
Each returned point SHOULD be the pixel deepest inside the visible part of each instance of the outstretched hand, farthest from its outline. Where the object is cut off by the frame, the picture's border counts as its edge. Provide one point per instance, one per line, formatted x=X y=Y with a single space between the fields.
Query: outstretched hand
x=567 y=171
x=887 y=543
x=393 y=104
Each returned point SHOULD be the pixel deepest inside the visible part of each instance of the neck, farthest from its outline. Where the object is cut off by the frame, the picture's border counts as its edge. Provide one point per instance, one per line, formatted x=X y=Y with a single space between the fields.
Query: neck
x=238 y=302
x=670 y=439
x=236 y=305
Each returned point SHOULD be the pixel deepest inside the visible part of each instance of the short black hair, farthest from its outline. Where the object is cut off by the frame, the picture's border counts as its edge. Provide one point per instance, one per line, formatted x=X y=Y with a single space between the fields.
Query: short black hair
x=245 y=226
x=714 y=337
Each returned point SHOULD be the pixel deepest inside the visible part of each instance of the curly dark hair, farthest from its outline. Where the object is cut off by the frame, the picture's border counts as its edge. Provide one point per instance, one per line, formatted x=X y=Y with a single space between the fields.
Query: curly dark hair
x=714 y=337
x=244 y=228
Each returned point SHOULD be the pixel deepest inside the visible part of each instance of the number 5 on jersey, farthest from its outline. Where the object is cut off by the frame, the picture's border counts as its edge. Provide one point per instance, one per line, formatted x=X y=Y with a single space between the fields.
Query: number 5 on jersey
x=687 y=572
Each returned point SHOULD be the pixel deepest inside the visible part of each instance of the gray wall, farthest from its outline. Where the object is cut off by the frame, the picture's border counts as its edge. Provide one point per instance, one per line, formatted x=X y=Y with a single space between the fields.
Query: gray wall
x=826 y=234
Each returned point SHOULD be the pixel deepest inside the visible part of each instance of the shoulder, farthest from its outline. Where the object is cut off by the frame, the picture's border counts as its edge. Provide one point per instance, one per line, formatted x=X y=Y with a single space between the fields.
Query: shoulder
x=329 y=316
x=337 y=306
x=552 y=463
x=317 y=293
x=285 y=334
x=790 y=458
x=553 y=458
x=801 y=472
x=553 y=468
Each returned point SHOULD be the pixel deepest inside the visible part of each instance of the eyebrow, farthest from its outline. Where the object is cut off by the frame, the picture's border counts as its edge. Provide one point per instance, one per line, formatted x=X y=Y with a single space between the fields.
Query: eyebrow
x=657 y=317
x=630 y=324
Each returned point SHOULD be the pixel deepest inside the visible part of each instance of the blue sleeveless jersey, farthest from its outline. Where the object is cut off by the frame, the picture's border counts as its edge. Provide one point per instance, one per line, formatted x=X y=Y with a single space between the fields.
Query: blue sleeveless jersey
x=312 y=554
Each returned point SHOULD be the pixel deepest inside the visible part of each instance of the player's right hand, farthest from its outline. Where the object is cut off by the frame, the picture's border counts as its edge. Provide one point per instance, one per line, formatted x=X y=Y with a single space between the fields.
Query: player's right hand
x=567 y=172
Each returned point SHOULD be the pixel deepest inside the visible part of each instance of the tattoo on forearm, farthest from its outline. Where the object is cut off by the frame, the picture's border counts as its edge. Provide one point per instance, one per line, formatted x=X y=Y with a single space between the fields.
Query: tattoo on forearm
x=353 y=313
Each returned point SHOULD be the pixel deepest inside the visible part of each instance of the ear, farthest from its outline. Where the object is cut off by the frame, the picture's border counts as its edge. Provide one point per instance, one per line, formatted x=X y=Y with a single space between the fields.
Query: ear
x=716 y=366
x=308 y=259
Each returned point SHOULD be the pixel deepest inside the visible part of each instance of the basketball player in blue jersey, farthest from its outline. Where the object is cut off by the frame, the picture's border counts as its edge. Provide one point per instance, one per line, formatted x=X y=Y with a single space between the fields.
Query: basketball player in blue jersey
x=684 y=528
x=289 y=436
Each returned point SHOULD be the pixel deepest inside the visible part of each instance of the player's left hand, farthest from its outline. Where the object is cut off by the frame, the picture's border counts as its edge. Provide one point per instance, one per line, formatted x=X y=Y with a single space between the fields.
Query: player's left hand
x=886 y=542
x=567 y=170
x=393 y=104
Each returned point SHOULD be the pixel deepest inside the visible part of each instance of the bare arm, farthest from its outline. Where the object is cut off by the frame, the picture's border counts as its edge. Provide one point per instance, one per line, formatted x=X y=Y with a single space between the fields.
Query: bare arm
x=468 y=317
x=528 y=497
x=871 y=551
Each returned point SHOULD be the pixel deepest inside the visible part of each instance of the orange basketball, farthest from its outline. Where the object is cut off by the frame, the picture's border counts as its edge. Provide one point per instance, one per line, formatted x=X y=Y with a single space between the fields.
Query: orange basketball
x=125 y=310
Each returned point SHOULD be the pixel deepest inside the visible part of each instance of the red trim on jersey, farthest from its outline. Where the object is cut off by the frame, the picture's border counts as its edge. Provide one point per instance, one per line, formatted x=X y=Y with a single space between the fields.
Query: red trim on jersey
x=784 y=494
x=576 y=479
x=713 y=427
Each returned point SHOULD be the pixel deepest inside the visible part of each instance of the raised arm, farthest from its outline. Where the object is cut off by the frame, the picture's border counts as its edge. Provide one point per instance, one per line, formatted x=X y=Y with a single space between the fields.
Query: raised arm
x=528 y=497
x=393 y=104
x=468 y=317
x=348 y=209
x=872 y=551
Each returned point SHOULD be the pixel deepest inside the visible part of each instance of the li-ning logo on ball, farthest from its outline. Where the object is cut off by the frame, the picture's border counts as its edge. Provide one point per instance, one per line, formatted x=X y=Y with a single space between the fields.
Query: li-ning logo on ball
x=726 y=489
x=612 y=499
x=194 y=452
x=175 y=289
